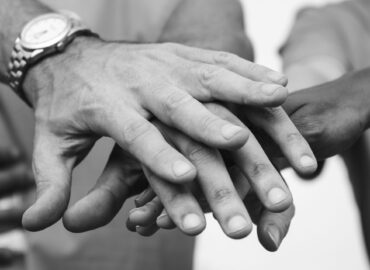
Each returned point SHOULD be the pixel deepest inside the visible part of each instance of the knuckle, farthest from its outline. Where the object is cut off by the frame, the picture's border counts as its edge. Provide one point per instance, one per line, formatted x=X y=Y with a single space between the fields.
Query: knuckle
x=254 y=68
x=294 y=137
x=224 y=58
x=207 y=122
x=223 y=194
x=174 y=101
x=259 y=169
x=273 y=113
x=163 y=154
x=311 y=128
x=133 y=130
x=199 y=154
x=207 y=75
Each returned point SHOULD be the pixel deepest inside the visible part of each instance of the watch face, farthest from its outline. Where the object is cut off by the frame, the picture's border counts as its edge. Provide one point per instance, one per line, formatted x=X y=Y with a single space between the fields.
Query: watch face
x=45 y=31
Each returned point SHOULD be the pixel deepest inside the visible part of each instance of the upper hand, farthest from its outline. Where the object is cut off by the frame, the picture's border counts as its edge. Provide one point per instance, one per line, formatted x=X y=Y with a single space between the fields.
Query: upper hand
x=332 y=116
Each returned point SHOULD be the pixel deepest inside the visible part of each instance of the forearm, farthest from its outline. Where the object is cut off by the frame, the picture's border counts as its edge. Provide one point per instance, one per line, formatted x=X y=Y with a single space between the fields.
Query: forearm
x=14 y=14
x=210 y=24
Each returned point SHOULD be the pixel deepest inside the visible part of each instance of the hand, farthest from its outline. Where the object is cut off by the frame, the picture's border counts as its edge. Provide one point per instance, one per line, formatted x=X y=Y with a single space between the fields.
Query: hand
x=213 y=178
x=332 y=116
x=99 y=89
x=15 y=178
x=273 y=223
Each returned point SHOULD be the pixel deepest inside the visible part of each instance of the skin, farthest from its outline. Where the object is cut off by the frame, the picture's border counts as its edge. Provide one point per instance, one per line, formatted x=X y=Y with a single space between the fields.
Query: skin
x=332 y=116
x=220 y=192
x=97 y=88
x=213 y=178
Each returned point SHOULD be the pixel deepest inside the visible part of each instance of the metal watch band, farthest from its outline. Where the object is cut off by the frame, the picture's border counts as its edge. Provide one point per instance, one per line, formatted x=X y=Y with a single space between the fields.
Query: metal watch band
x=17 y=69
x=20 y=58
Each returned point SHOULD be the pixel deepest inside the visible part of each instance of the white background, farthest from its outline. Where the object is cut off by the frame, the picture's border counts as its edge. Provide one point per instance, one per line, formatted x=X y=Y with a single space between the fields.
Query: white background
x=325 y=233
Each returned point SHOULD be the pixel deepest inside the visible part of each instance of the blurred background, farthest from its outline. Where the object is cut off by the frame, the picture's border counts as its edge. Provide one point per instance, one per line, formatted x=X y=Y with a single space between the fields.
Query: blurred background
x=326 y=231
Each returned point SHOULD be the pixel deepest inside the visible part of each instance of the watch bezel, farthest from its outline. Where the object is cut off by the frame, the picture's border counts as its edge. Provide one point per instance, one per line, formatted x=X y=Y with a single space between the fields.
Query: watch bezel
x=55 y=40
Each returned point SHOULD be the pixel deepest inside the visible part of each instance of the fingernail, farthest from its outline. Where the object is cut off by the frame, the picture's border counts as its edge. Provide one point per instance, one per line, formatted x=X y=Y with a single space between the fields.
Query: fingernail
x=181 y=168
x=276 y=195
x=191 y=222
x=277 y=78
x=142 y=197
x=274 y=235
x=236 y=224
x=229 y=131
x=162 y=218
x=133 y=211
x=307 y=161
x=270 y=89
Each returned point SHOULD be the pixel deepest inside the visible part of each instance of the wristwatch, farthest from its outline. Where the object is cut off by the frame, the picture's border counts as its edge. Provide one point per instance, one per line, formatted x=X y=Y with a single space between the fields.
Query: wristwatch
x=43 y=36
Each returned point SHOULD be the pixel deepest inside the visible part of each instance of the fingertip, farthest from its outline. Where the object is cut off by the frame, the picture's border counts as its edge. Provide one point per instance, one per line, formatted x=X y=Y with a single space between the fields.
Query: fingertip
x=278 y=199
x=308 y=165
x=278 y=78
x=95 y=210
x=165 y=222
x=238 y=227
x=235 y=136
x=275 y=95
x=270 y=237
x=33 y=220
x=183 y=171
x=141 y=217
x=47 y=210
x=147 y=231
x=193 y=224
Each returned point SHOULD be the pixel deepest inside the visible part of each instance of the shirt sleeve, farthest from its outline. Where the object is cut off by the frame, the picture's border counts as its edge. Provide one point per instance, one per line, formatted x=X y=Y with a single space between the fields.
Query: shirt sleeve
x=340 y=31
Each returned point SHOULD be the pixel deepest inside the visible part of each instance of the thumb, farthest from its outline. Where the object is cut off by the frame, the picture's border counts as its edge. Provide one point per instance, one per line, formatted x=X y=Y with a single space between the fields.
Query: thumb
x=297 y=100
x=53 y=182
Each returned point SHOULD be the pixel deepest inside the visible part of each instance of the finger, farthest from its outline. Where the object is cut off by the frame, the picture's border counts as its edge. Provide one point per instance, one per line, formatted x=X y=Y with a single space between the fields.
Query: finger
x=147 y=214
x=150 y=212
x=216 y=185
x=147 y=231
x=276 y=123
x=222 y=84
x=256 y=166
x=179 y=203
x=263 y=177
x=146 y=196
x=145 y=142
x=271 y=227
x=52 y=174
x=177 y=108
x=164 y=221
x=120 y=179
x=16 y=178
x=232 y=62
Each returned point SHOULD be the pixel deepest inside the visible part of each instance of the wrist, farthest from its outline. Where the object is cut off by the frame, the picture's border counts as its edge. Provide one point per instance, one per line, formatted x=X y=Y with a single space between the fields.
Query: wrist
x=40 y=76
x=15 y=14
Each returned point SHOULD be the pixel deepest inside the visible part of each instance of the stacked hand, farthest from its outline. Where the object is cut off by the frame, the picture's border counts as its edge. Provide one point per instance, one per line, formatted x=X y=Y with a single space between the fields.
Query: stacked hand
x=331 y=116
x=97 y=89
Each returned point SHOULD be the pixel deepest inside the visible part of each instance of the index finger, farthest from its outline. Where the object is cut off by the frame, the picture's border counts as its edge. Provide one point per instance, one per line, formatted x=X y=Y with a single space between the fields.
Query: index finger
x=233 y=63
